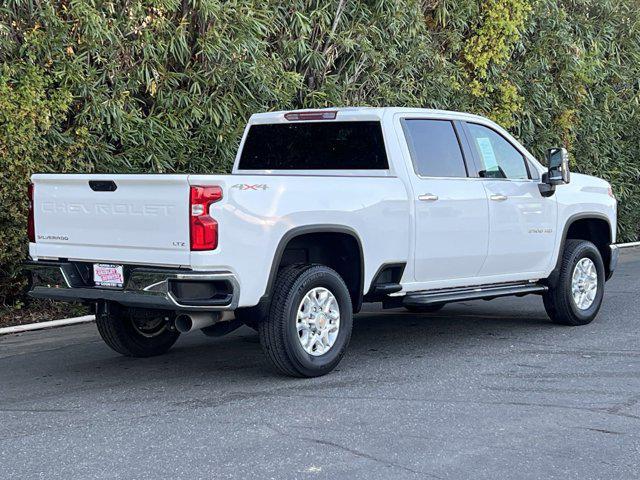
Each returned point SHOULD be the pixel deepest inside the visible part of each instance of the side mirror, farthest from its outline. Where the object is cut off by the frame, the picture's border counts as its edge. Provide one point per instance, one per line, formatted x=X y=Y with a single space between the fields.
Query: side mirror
x=558 y=172
x=558 y=161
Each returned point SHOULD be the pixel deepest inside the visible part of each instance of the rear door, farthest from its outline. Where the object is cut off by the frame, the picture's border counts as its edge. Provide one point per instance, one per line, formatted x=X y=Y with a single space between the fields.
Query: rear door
x=522 y=221
x=117 y=218
x=451 y=212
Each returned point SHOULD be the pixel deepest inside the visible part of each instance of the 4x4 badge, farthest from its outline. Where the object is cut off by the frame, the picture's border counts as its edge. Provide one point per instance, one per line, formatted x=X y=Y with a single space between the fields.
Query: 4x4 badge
x=247 y=186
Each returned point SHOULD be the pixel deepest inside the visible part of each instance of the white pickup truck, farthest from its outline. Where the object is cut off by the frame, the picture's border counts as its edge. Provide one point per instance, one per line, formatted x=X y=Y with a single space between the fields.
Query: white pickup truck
x=324 y=210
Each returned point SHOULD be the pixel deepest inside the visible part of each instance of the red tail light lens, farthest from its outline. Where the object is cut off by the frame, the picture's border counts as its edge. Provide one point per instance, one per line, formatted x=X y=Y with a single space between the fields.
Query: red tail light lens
x=31 y=225
x=203 y=228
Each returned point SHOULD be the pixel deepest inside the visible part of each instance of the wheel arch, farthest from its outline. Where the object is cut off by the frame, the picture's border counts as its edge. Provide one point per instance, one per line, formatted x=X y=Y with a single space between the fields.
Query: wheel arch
x=355 y=282
x=592 y=226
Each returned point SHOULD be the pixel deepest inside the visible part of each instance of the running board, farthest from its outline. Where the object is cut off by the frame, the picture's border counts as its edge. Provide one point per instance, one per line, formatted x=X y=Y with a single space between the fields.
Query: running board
x=470 y=293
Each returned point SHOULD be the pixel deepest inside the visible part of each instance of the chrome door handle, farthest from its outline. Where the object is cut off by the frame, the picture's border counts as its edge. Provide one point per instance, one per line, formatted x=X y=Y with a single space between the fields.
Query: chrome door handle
x=428 y=197
x=498 y=198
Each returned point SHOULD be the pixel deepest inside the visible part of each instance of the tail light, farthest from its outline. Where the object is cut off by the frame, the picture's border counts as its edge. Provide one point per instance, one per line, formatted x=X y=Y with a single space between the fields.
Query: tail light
x=31 y=225
x=203 y=228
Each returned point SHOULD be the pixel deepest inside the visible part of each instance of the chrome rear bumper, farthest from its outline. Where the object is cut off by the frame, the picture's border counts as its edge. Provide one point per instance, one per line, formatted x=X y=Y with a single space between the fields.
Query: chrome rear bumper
x=145 y=287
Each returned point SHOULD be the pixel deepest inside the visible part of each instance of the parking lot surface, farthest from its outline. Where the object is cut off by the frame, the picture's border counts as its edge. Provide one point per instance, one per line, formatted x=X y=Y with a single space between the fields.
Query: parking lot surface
x=479 y=390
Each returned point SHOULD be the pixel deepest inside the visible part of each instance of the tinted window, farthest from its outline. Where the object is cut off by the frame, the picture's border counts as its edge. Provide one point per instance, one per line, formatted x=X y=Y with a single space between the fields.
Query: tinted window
x=314 y=146
x=434 y=147
x=499 y=158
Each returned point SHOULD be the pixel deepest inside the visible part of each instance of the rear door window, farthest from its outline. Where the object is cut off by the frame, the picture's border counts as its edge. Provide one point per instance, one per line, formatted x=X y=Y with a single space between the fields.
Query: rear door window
x=434 y=147
x=314 y=146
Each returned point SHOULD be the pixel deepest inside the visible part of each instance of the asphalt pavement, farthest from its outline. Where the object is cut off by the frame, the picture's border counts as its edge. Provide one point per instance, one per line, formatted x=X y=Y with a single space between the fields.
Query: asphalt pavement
x=480 y=390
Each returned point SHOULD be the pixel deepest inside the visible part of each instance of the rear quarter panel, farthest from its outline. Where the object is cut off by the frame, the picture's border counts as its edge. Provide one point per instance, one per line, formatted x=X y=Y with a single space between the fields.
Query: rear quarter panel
x=257 y=211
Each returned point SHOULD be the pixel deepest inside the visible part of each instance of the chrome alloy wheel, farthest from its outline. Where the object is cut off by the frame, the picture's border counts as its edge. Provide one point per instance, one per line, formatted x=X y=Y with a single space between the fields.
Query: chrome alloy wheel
x=584 y=283
x=318 y=321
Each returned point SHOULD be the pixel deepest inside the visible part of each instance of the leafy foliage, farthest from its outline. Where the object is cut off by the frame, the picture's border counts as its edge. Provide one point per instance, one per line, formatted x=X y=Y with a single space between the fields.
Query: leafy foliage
x=167 y=85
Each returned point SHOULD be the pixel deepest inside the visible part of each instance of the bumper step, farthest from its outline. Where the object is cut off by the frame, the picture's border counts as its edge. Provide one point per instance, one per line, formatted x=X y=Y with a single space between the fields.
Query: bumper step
x=145 y=287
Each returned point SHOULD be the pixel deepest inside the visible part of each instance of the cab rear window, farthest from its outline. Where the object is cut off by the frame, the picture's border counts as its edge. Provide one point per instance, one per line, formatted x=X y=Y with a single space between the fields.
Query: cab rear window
x=315 y=146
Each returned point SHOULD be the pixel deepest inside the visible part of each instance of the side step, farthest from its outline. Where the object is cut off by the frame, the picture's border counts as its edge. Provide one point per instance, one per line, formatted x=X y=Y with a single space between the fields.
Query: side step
x=470 y=293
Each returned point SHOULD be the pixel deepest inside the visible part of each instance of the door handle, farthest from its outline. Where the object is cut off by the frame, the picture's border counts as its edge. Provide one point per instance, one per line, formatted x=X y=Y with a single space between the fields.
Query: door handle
x=498 y=198
x=428 y=197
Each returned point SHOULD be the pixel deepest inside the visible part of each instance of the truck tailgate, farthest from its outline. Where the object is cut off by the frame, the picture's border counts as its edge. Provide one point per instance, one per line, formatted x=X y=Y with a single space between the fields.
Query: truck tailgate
x=120 y=218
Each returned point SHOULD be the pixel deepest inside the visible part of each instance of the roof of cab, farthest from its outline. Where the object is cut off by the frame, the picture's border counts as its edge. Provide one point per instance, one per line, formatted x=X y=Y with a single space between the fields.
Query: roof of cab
x=362 y=113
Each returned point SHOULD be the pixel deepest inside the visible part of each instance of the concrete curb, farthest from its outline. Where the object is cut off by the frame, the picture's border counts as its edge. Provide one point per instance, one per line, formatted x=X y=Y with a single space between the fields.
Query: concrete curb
x=628 y=245
x=52 y=324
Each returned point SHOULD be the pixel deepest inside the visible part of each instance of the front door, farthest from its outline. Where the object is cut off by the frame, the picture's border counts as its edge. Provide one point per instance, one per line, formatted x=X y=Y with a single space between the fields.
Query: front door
x=521 y=221
x=451 y=209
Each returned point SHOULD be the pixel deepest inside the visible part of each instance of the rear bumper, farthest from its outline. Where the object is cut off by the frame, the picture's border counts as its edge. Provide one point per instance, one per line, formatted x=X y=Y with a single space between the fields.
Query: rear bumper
x=145 y=287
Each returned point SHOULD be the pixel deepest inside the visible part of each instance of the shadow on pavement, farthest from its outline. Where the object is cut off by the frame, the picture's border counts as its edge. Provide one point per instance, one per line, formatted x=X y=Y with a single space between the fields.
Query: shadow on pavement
x=378 y=337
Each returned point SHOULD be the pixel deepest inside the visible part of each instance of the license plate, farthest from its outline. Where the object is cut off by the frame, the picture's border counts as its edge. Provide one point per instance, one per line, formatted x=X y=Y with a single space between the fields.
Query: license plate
x=108 y=275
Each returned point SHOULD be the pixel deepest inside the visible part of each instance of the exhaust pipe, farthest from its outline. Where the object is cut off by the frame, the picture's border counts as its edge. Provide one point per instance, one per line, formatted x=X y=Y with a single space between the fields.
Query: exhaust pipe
x=187 y=322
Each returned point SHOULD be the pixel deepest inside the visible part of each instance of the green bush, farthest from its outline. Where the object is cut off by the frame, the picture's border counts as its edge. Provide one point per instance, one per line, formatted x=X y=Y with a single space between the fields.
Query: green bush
x=167 y=85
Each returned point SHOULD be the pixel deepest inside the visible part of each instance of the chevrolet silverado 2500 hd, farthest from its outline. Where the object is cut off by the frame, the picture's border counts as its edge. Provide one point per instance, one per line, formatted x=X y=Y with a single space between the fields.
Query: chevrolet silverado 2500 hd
x=324 y=210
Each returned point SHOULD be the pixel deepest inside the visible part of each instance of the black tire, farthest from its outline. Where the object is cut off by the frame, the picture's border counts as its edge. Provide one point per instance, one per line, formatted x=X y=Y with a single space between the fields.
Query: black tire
x=121 y=334
x=425 y=308
x=558 y=300
x=278 y=332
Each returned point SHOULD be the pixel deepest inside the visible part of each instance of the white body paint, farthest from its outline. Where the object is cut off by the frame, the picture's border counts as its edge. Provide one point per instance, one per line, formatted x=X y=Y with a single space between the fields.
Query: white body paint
x=461 y=239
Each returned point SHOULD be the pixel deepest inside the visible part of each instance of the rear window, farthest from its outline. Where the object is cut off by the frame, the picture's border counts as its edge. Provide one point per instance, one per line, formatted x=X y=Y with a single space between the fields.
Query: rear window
x=314 y=146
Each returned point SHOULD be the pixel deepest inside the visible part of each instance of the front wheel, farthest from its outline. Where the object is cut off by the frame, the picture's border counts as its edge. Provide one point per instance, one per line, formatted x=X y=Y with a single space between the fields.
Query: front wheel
x=138 y=333
x=577 y=296
x=309 y=324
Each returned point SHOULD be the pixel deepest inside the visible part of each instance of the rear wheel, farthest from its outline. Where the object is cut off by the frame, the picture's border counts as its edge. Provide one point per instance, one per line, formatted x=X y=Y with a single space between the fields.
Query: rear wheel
x=309 y=324
x=577 y=296
x=136 y=333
